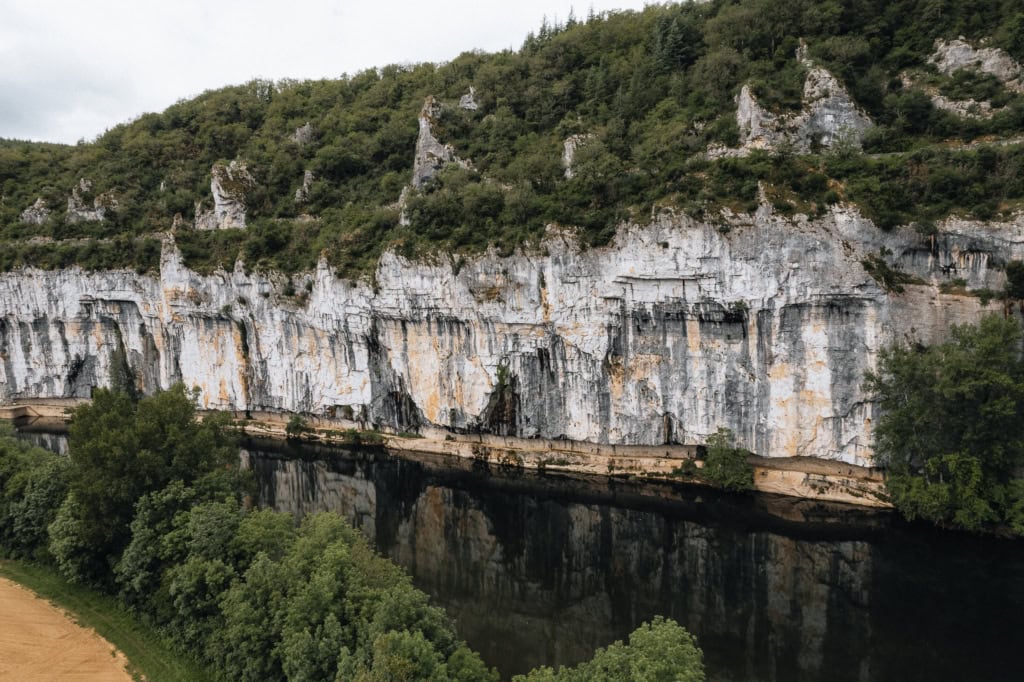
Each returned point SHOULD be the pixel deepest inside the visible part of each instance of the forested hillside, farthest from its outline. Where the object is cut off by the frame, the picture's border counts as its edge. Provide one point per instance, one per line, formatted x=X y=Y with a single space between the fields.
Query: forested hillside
x=646 y=94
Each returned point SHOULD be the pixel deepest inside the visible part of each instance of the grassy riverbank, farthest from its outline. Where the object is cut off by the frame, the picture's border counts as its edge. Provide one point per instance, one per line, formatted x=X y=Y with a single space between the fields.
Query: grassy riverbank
x=149 y=656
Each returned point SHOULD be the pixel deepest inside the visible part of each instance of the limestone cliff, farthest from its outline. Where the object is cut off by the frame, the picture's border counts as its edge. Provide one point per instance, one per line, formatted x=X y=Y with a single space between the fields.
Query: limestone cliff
x=827 y=117
x=228 y=185
x=953 y=55
x=759 y=323
x=36 y=214
x=79 y=210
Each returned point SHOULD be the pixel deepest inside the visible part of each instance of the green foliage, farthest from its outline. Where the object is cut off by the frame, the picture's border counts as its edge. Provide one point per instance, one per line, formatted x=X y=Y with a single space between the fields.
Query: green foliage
x=242 y=589
x=69 y=543
x=726 y=465
x=951 y=432
x=121 y=450
x=33 y=482
x=297 y=425
x=652 y=88
x=659 y=651
x=928 y=185
x=968 y=84
x=325 y=606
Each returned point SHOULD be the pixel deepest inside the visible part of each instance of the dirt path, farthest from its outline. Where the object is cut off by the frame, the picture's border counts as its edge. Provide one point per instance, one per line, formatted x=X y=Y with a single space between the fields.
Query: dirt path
x=39 y=642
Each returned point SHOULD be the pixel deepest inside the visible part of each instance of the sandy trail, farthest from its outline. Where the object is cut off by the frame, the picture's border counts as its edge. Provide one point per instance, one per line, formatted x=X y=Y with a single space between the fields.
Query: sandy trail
x=39 y=642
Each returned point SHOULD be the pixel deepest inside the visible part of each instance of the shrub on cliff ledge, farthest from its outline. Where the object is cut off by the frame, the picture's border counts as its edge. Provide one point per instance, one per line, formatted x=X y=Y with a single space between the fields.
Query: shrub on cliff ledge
x=726 y=465
x=297 y=426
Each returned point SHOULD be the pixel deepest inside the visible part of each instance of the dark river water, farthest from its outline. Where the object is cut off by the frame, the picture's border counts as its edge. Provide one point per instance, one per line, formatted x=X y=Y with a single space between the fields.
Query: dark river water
x=542 y=569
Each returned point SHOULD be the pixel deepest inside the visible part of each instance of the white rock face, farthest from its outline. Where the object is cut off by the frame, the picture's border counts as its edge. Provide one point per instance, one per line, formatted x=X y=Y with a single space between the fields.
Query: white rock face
x=303 y=135
x=36 y=214
x=964 y=108
x=829 y=116
x=302 y=193
x=672 y=331
x=954 y=55
x=759 y=129
x=229 y=184
x=431 y=155
x=468 y=101
x=570 y=146
x=78 y=208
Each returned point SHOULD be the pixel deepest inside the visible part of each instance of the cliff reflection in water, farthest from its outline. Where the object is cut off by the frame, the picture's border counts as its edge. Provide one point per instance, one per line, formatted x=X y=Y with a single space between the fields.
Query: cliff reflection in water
x=543 y=570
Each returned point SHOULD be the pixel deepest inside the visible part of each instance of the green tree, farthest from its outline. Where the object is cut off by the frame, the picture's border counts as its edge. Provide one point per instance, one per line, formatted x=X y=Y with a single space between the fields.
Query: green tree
x=659 y=651
x=297 y=425
x=69 y=544
x=33 y=482
x=152 y=549
x=951 y=431
x=119 y=451
x=245 y=648
x=726 y=465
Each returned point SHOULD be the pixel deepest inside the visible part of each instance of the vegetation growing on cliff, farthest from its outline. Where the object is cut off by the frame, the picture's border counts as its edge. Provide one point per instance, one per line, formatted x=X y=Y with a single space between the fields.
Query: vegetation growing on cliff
x=151 y=506
x=951 y=434
x=652 y=89
x=726 y=465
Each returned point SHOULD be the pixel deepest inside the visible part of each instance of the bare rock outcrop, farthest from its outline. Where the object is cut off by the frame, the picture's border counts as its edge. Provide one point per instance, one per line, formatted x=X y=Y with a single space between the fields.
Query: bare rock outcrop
x=229 y=185
x=570 y=146
x=431 y=155
x=302 y=193
x=303 y=135
x=828 y=116
x=953 y=55
x=79 y=210
x=468 y=101
x=36 y=214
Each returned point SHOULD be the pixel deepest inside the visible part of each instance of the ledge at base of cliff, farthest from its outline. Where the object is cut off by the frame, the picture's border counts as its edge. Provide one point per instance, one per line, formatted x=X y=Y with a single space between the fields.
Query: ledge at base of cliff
x=805 y=478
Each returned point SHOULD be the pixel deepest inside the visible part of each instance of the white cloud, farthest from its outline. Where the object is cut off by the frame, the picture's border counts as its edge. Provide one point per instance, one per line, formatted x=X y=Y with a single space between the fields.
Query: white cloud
x=70 y=70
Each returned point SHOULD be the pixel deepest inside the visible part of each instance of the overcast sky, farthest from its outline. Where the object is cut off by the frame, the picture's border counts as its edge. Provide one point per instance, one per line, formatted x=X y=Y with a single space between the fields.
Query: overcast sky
x=69 y=70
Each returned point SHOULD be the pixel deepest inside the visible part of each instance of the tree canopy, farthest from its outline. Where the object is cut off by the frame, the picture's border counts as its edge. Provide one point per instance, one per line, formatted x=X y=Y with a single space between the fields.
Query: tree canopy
x=659 y=651
x=951 y=431
x=122 y=449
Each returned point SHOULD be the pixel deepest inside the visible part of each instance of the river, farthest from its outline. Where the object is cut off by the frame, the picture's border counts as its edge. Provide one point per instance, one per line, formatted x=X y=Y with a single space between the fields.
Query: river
x=541 y=569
